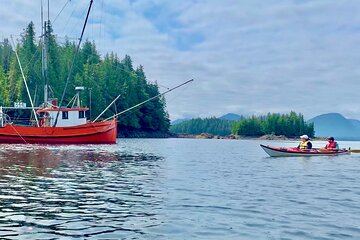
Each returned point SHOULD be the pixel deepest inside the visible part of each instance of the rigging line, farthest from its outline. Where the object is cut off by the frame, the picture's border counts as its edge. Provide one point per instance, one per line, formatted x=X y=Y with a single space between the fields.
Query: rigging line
x=18 y=134
x=75 y=55
x=67 y=22
x=119 y=67
x=107 y=108
x=175 y=96
x=65 y=38
x=106 y=92
x=75 y=25
x=61 y=11
x=101 y=23
x=124 y=70
x=150 y=99
x=162 y=86
x=31 y=60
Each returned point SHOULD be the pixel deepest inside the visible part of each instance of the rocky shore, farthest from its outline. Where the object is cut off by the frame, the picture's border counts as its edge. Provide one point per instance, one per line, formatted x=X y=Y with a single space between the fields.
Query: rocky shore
x=144 y=134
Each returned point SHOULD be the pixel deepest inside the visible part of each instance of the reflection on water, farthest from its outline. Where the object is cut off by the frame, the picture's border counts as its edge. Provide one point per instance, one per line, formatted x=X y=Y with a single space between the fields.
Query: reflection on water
x=57 y=192
x=176 y=189
x=27 y=161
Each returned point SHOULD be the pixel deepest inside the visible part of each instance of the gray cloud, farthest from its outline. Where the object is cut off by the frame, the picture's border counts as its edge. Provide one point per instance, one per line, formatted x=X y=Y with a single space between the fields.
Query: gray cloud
x=254 y=56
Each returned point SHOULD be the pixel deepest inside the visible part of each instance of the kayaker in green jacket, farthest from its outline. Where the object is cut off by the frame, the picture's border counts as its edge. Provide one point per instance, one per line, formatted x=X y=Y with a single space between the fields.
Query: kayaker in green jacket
x=305 y=142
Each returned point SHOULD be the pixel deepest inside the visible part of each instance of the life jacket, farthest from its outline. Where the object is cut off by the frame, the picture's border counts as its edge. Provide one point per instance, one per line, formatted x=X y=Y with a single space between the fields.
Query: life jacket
x=303 y=145
x=331 y=145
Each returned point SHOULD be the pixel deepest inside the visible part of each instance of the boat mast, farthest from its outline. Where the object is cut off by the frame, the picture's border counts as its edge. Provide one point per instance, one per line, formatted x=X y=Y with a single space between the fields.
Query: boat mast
x=73 y=61
x=45 y=37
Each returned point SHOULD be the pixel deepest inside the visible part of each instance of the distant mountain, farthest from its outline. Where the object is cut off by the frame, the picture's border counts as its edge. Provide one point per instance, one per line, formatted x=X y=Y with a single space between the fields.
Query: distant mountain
x=356 y=123
x=336 y=125
x=231 y=117
x=177 y=121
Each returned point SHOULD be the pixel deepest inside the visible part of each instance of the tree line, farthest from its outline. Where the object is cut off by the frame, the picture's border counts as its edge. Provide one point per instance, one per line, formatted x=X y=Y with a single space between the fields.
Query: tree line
x=289 y=125
x=211 y=125
x=104 y=78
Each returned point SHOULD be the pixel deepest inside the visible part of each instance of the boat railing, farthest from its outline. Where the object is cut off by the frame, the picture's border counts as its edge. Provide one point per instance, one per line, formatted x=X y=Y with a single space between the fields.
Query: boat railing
x=4 y=119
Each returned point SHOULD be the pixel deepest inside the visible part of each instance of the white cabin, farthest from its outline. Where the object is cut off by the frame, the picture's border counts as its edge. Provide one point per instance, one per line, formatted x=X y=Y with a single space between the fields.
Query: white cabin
x=68 y=117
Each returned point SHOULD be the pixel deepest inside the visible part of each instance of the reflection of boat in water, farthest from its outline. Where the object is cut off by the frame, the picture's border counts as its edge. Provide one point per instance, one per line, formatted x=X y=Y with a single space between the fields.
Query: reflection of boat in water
x=42 y=161
x=46 y=191
x=295 y=152
x=34 y=162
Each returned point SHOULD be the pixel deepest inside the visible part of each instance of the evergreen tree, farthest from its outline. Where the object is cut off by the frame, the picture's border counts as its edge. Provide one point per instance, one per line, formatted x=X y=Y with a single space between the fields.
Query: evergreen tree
x=4 y=90
x=6 y=53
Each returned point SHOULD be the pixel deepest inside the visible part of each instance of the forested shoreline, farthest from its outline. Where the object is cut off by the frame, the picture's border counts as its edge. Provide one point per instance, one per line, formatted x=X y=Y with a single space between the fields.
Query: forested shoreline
x=213 y=125
x=289 y=125
x=273 y=124
x=104 y=78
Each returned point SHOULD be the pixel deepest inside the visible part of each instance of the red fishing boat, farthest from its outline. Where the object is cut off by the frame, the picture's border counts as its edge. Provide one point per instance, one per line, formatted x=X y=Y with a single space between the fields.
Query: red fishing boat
x=88 y=133
x=71 y=127
x=53 y=124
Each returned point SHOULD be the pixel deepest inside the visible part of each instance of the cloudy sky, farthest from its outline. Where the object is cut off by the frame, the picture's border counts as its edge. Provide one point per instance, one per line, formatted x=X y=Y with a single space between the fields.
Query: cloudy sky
x=246 y=56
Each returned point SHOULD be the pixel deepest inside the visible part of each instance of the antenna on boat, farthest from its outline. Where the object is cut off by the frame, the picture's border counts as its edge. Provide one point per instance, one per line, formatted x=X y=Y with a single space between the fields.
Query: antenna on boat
x=44 y=52
x=73 y=61
x=77 y=96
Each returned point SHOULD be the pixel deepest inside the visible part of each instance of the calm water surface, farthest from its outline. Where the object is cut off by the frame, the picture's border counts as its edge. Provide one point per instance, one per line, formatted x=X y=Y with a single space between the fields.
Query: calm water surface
x=176 y=189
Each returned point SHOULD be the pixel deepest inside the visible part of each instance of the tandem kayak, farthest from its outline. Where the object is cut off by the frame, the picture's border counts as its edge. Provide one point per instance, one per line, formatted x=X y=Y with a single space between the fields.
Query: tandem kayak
x=295 y=152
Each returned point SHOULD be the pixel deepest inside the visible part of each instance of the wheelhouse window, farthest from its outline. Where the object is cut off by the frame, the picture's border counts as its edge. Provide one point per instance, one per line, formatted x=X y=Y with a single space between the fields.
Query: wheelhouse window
x=65 y=115
x=81 y=114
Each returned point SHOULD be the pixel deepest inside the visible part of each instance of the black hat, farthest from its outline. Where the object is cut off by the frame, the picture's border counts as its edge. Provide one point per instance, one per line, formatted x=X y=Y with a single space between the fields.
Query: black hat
x=330 y=138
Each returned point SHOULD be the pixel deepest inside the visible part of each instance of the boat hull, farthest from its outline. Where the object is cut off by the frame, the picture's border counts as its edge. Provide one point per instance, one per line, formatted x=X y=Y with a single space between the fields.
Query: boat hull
x=294 y=152
x=89 y=133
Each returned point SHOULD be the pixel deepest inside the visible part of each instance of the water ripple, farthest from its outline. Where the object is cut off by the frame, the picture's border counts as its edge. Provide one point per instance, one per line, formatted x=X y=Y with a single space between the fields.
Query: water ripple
x=175 y=189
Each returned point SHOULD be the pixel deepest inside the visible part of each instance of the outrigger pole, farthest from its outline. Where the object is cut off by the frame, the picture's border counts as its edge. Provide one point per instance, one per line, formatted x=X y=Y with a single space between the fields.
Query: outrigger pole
x=142 y=103
x=24 y=79
x=106 y=108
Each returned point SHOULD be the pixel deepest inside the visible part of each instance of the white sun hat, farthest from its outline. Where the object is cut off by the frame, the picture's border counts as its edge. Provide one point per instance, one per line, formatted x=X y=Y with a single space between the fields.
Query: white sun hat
x=304 y=136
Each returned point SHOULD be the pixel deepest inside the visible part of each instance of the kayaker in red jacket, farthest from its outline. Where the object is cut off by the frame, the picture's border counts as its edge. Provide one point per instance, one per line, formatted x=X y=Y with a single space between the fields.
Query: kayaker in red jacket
x=331 y=145
x=305 y=143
